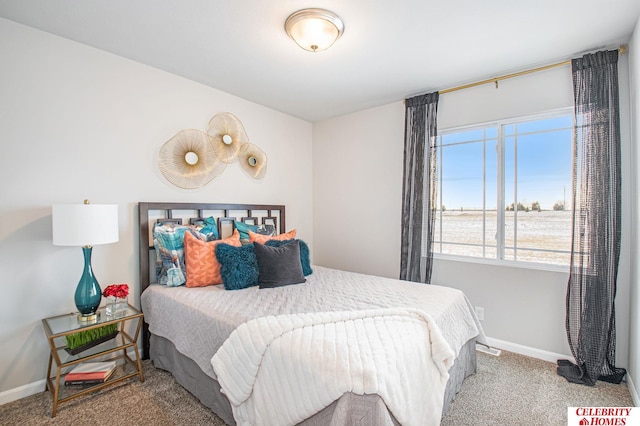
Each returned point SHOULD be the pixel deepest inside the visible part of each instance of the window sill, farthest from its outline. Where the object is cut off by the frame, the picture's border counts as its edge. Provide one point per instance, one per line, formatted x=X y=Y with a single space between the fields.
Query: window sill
x=504 y=263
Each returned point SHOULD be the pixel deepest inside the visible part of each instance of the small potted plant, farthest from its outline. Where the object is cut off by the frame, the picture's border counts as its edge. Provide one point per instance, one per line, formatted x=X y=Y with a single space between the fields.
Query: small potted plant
x=83 y=340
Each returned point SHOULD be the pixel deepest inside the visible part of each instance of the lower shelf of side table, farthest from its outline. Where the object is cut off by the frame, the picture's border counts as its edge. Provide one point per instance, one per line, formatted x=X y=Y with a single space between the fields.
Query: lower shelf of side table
x=127 y=368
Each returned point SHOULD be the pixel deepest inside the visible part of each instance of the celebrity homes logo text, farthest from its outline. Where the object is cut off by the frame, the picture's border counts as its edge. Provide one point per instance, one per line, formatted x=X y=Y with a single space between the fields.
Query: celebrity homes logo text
x=602 y=416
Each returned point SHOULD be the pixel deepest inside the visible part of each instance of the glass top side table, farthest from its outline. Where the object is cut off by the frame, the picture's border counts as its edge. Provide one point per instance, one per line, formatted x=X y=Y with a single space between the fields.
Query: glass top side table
x=117 y=348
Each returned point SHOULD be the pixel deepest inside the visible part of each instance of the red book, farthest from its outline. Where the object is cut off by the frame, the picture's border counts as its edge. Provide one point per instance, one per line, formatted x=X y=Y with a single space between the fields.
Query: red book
x=91 y=371
x=86 y=376
x=84 y=382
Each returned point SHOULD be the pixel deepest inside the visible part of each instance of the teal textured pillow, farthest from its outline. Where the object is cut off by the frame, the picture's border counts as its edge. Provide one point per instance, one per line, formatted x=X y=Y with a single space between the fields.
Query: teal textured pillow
x=304 y=254
x=238 y=266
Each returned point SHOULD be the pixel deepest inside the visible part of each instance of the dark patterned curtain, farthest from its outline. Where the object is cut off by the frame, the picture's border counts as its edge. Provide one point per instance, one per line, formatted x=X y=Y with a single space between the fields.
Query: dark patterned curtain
x=419 y=189
x=591 y=291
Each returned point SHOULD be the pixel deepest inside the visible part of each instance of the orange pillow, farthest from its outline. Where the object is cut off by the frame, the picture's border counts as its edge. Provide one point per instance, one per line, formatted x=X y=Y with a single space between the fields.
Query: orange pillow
x=259 y=238
x=202 y=267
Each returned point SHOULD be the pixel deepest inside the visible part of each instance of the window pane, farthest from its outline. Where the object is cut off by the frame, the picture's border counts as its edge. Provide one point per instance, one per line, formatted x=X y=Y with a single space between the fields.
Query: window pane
x=510 y=196
x=550 y=257
x=462 y=181
x=544 y=175
x=544 y=167
x=462 y=176
x=491 y=133
x=536 y=182
x=464 y=136
x=491 y=197
x=509 y=129
x=561 y=122
x=468 y=184
x=537 y=174
x=544 y=236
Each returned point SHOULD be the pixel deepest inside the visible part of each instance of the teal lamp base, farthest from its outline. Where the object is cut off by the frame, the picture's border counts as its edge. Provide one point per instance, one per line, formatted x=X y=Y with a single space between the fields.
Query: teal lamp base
x=88 y=293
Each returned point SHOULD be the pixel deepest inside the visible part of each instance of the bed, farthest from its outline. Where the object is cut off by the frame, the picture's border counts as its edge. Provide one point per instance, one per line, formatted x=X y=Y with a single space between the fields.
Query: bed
x=209 y=337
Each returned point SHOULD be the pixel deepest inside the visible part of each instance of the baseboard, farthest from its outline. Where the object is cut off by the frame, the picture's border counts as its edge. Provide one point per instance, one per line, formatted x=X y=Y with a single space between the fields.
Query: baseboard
x=527 y=350
x=633 y=390
x=22 y=391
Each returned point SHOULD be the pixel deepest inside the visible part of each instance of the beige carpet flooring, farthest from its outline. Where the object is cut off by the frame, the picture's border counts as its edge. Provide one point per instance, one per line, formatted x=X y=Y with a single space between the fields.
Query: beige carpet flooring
x=507 y=390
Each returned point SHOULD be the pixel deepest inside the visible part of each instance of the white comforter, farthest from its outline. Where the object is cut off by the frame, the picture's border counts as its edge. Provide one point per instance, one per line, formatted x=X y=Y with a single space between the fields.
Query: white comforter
x=198 y=320
x=279 y=370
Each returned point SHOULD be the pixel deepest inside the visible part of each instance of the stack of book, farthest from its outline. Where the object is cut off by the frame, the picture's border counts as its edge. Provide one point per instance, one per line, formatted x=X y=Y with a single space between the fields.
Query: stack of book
x=90 y=373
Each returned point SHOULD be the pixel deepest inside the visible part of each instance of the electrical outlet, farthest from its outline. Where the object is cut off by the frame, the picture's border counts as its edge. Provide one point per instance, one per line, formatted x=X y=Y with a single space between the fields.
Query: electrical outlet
x=480 y=313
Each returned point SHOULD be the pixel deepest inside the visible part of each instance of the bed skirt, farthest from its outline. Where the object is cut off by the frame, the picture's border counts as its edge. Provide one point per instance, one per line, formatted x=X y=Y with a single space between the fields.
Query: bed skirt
x=350 y=406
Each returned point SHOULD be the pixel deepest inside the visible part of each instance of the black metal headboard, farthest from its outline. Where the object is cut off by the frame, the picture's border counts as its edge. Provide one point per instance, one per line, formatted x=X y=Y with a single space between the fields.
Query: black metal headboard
x=150 y=211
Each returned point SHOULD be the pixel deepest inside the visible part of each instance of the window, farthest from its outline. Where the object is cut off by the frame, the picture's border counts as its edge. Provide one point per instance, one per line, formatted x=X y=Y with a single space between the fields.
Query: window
x=505 y=188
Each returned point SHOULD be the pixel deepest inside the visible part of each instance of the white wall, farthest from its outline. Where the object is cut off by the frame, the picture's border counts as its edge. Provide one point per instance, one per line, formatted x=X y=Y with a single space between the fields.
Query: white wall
x=77 y=122
x=357 y=181
x=358 y=171
x=634 y=317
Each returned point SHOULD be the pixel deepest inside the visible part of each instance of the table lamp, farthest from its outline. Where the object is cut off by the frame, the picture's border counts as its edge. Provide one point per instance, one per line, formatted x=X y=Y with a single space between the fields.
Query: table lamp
x=85 y=225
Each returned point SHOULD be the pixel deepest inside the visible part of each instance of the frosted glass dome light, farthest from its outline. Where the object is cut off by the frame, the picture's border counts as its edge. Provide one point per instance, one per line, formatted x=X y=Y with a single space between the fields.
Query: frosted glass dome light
x=314 y=29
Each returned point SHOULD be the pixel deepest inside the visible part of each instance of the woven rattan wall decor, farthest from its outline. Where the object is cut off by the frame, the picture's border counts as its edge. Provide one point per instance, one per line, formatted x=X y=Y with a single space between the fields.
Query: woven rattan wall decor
x=192 y=159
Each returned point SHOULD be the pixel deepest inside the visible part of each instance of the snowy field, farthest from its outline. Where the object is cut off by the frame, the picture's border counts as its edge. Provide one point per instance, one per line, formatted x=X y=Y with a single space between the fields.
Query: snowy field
x=541 y=236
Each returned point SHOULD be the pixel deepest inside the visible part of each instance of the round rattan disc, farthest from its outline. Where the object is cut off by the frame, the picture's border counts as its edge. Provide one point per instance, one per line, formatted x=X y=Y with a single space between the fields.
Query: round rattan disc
x=253 y=160
x=188 y=160
x=227 y=135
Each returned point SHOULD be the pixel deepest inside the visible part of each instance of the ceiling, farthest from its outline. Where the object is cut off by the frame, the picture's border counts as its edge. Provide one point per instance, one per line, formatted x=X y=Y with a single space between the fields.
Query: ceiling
x=389 y=50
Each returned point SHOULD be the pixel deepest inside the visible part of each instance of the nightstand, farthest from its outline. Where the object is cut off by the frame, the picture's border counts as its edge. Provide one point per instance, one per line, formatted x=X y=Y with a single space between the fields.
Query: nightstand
x=61 y=361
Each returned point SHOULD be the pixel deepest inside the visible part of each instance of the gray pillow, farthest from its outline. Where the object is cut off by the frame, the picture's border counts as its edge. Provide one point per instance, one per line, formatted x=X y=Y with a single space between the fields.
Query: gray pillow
x=279 y=266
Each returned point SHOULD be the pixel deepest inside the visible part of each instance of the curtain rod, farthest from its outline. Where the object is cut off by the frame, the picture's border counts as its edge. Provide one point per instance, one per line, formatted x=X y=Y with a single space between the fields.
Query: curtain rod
x=622 y=50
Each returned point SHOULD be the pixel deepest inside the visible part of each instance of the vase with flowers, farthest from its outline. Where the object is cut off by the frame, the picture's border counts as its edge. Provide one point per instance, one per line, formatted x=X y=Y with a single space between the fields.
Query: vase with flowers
x=116 y=295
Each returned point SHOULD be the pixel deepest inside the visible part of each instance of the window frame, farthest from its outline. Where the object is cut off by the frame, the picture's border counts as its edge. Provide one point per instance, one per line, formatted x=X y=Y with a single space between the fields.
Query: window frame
x=499 y=125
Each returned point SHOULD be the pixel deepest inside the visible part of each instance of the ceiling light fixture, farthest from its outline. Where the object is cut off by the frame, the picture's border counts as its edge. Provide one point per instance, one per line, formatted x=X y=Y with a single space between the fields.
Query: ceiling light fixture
x=314 y=29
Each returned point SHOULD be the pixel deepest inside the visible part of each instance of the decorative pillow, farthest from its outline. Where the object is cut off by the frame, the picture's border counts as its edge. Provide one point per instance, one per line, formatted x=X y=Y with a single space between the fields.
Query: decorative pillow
x=209 y=228
x=238 y=266
x=168 y=240
x=305 y=258
x=265 y=230
x=244 y=229
x=279 y=266
x=202 y=266
x=257 y=238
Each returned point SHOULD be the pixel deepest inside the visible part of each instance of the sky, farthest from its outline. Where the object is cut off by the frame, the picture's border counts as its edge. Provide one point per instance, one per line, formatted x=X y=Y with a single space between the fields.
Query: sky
x=541 y=171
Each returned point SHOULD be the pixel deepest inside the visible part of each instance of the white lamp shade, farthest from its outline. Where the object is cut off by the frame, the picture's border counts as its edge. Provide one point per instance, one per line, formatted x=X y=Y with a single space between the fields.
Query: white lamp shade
x=84 y=224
